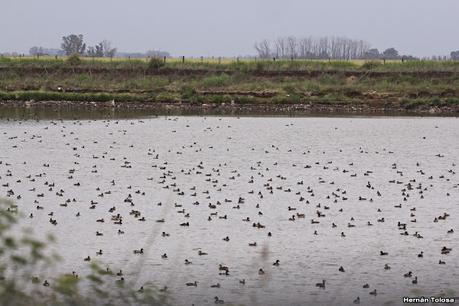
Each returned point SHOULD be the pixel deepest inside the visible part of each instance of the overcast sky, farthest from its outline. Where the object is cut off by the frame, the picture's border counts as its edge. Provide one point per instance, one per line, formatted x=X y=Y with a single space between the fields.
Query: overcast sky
x=229 y=27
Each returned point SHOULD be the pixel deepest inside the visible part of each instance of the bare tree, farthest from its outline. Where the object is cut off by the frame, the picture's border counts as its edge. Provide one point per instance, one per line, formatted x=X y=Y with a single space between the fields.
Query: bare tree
x=281 y=47
x=323 y=48
x=107 y=48
x=263 y=48
x=292 y=46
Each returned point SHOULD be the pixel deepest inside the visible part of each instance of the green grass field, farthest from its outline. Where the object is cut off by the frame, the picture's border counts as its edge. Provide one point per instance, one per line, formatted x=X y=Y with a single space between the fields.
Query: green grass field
x=210 y=80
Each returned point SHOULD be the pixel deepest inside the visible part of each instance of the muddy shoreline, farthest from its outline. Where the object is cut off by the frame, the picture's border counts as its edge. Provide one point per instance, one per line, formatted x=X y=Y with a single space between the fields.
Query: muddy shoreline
x=186 y=108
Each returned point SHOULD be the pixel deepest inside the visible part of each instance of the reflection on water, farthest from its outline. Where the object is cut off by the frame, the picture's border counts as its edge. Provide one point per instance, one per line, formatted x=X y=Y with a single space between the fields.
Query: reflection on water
x=80 y=112
x=214 y=172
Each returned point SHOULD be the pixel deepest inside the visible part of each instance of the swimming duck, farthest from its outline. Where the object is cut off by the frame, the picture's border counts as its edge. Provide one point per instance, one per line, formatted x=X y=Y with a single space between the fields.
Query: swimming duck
x=218 y=301
x=321 y=285
x=194 y=284
x=140 y=251
x=409 y=274
x=222 y=268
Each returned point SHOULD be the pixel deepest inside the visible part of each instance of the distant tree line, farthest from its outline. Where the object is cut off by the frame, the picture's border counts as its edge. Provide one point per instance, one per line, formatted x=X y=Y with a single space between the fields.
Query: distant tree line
x=45 y=51
x=312 y=48
x=323 y=48
x=74 y=44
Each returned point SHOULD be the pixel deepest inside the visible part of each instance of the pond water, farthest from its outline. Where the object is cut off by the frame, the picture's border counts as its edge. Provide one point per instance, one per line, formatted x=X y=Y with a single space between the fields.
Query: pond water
x=334 y=175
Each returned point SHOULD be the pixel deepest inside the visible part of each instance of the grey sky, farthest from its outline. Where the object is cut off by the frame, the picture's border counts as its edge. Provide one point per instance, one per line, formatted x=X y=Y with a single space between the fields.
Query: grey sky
x=229 y=28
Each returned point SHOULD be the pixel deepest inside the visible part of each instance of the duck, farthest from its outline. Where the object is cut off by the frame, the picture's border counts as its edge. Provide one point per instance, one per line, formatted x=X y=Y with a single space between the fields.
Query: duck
x=201 y=253
x=415 y=280
x=341 y=269
x=321 y=285
x=357 y=300
x=445 y=250
x=217 y=285
x=276 y=263
x=366 y=286
x=193 y=284
x=261 y=272
x=218 y=301
x=140 y=251
x=382 y=253
x=222 y=268
x=374 y=292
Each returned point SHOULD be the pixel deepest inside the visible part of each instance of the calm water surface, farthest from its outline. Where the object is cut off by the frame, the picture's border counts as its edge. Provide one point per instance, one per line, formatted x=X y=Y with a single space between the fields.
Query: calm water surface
x=351 y=171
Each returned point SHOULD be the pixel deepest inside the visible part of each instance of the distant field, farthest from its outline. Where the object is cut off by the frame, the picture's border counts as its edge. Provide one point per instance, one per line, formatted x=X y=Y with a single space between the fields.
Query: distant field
x=225 y=62
x=411 y=84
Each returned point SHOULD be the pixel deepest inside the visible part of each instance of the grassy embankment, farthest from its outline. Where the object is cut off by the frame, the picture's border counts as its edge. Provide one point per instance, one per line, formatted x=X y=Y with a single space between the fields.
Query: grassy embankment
x=408 y=85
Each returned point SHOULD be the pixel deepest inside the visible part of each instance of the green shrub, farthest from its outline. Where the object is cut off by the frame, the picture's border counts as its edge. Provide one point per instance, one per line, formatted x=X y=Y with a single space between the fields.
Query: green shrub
x=155 y=63
x=216 y=81
x=371 y=65
x=74 y=59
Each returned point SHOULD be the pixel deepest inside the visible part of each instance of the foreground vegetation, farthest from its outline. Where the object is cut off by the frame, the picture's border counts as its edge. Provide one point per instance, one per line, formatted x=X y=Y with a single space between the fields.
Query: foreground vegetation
x=25 y=262
x=408 y=84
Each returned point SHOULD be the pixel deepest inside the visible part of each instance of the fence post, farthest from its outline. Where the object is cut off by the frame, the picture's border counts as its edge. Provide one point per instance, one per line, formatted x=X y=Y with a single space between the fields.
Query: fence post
x=183 y=59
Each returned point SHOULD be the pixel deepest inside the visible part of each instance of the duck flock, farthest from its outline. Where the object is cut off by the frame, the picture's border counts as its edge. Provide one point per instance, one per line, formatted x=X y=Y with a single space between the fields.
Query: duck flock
x=252 y=211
